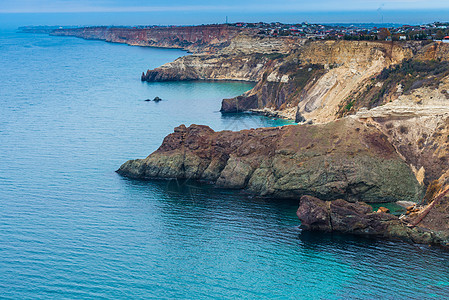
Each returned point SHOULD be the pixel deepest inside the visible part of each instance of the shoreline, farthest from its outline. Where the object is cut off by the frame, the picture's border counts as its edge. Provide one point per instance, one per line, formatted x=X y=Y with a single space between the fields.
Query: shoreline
x=286 y=114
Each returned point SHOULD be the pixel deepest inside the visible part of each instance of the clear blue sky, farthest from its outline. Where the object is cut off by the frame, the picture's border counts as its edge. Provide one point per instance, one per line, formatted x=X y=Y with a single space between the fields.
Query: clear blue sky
x=217 y=5
x=134 y=12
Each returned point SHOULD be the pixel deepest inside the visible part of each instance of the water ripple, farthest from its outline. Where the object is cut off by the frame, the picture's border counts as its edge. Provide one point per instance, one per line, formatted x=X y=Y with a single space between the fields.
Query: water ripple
x=71 y=112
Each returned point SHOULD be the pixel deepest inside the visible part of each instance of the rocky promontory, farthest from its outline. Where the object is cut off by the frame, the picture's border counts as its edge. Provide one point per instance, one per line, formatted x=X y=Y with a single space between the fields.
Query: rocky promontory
x=344 y=159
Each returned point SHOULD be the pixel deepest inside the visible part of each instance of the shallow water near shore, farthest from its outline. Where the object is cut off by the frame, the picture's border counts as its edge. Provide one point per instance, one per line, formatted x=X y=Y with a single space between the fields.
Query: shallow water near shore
x=72 y=111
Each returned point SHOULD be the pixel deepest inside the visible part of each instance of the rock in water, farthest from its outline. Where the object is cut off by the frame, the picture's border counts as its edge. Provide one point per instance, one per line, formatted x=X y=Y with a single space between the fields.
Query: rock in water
x=157 y=99
x=341 y=216
x=383 y=210
x=359 y=219
x=343 y=159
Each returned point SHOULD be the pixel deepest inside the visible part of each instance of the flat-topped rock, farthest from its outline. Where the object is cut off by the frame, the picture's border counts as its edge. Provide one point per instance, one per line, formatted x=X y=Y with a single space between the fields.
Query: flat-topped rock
x=343 y=159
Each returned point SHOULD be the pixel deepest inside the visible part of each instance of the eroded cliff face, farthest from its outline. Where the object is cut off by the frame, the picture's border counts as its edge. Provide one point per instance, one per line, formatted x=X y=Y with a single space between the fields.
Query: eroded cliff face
x=315 y=81
x=343 y=159
x=418 y=128
x=296 y=79
x=205 y=38
x=210 y=67
x=246 y=57
x=318 y=81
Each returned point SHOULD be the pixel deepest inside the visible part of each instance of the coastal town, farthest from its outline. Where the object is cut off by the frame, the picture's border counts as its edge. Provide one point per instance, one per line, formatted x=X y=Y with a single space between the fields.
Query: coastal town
x=392 y=32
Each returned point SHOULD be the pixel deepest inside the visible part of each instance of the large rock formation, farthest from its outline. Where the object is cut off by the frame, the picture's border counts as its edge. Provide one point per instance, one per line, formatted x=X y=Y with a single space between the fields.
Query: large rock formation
x=343 y=159
x=317 y=78
x=417 y=125
x=246 y=57
x=359 y=219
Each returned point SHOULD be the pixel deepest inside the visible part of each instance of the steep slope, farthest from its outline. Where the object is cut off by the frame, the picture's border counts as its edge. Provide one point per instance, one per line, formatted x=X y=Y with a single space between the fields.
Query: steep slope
x=245 y=58
x=210 y=67
x=312 y=83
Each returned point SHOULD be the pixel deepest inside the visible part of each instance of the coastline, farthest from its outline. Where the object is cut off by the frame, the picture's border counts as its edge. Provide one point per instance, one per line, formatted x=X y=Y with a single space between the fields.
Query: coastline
x=72 y=226
x=319 y=74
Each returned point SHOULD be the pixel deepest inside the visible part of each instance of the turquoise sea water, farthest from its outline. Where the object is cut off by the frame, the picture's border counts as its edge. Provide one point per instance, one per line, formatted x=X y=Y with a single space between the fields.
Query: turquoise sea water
x=72 y=111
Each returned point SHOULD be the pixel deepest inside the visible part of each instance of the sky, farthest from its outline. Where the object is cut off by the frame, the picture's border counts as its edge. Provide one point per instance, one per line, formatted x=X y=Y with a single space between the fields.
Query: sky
x=46 y=6
x=188 y=12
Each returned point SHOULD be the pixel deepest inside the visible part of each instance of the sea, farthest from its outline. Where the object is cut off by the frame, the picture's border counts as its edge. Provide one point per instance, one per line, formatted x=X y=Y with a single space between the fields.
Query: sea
x=72 y=111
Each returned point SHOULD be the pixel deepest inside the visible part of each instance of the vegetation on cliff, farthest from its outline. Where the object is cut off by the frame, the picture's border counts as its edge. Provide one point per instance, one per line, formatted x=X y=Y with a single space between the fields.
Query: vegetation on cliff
x=396 y=80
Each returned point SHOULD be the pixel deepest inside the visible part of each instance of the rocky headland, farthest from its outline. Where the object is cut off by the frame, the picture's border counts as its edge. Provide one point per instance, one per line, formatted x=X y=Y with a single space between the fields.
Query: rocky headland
x=375 y=126
x=346 y=158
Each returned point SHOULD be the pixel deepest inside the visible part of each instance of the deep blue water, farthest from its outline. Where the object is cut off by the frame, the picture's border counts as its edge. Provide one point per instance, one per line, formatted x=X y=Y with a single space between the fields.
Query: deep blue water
x=72 y=111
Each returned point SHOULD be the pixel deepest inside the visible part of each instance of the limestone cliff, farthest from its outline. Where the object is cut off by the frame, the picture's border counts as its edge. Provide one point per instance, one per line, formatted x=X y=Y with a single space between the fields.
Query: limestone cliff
x=344 y=159
x=296 y=79
x=210 y=67
x=418 y=128
x=204 y=38
x=315 y=81
x=245 y=58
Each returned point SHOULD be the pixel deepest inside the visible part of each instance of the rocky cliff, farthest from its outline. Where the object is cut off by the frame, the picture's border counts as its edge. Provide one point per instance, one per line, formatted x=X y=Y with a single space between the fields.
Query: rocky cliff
x=210 y=67
x=317 y=81
x=246 y=57
x=344 y=159
x=205 y=38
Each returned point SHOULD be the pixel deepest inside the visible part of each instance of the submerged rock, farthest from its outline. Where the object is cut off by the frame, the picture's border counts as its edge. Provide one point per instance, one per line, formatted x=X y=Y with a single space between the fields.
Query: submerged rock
x=342 y=159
